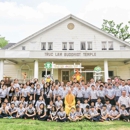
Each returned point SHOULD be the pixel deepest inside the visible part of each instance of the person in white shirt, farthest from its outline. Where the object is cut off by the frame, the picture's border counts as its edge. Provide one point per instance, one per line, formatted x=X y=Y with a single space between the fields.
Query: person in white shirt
x=93 y=94
x=3 y=111
x=124 y=100
x=114 y=114
x=124 y=115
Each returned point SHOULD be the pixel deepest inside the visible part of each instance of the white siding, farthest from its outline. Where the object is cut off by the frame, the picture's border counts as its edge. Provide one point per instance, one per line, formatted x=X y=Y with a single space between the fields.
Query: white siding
x=61 y=33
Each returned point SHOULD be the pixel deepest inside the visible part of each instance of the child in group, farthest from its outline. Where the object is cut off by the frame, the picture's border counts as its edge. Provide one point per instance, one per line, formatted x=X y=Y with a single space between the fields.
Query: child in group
x=107 y=103
x=17 y=93
x=39 y=92
x=85 y=104
x=30 y=100
x=58 y=103
x=86 y=113
x=7 y=102
x=94 y=115
x=20 y=111
x=12 y=111
x=30 y=112
x=32 y=91
x=80 y=105
x=79 y=114
x=53 y=114
x=38 y=102
x=11 y=92
x=41 y=113
x=124 y=115
x=25 y=92
x=4 y=111
x=104 y=113
x=15 y=101
x=72 y=115
x=49 y=107
x=61 y=115
x=98 y=105
x=114 y=114
x=23 y=101
x=92 y=105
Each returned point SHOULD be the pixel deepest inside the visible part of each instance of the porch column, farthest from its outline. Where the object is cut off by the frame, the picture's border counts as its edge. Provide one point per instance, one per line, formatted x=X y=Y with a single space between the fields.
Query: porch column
x=1 y=69
x=36 y=69
x=105 y=70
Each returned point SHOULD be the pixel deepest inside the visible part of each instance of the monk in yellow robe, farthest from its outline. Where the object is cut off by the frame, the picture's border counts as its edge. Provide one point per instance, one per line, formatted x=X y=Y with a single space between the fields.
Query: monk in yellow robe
x=69 y=102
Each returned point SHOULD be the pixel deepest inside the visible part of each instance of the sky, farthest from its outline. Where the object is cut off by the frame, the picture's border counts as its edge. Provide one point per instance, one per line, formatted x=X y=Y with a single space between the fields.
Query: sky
x=21 y=18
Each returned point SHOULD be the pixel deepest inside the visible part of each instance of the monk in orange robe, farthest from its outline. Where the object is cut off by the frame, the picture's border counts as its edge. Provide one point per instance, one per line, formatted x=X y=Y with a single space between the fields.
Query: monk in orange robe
x=69 y=102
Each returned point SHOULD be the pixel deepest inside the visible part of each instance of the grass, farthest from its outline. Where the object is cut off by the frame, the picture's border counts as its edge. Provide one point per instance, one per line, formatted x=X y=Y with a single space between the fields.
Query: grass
x=18 y=124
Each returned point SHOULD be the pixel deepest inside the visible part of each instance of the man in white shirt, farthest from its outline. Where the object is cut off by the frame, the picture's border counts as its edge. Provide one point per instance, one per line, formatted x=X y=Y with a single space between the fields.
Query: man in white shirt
x=124 y=100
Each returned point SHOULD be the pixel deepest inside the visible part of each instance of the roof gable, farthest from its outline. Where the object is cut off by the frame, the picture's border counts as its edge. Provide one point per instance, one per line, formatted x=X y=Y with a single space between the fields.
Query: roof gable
x=62 y=20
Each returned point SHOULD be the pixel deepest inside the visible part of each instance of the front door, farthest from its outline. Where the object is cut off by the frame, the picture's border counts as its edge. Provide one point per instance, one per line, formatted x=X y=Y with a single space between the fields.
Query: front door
x=65 y=76
x=89 y=75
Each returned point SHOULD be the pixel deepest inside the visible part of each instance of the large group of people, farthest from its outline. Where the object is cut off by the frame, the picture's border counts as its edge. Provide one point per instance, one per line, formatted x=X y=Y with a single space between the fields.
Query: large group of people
x=73 y=101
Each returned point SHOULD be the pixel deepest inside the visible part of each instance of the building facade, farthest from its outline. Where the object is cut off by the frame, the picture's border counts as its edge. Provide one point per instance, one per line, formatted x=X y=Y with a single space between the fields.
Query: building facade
x=67 y=41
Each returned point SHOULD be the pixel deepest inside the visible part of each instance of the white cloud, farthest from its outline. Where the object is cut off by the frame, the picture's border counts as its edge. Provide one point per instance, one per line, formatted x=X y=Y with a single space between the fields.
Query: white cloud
x=97 y=10
x=25 y=20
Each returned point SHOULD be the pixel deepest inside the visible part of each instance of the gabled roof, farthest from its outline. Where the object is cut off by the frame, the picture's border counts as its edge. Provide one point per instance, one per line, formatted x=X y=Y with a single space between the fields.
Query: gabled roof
x=8 y=46
x=62 y=20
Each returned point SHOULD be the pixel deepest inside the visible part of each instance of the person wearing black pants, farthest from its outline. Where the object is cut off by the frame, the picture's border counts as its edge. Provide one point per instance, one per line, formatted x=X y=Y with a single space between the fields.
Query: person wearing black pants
x=124 y=115
x=110 y=94
x=12 y=111
x=61 y=115
x=30 y=112
x=3 y=111
x=41 y=115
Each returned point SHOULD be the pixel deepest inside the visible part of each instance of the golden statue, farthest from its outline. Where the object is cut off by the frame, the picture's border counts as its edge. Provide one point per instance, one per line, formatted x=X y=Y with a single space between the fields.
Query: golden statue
x=77 y=76
x=24 y=75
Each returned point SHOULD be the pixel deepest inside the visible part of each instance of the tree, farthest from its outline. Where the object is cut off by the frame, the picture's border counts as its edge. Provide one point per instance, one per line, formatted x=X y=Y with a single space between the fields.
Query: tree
x=3 y=42
x=118 y=30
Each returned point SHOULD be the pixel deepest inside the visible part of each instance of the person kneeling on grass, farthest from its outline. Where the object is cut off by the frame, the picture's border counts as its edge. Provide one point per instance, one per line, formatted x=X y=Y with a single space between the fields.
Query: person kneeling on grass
x=86 y=113
x=79 y=114
x=30 y=112
x=95 y=116
x=20 y=111
x=72 y=115
x=12 y=111
x=42 y=113
x=61 y=115
x=3 y=111
x=124 y=115
x=114 y=114
x=104 y=113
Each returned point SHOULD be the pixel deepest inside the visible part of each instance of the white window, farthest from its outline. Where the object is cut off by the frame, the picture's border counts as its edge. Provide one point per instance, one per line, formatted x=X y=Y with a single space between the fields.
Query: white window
x=110 y=45
x=43 y=46
x=89 y=45
x=64 y=45
x=23 y=47
x=83 y=46
x=71 y=45
x=104 y=45
x=50 y=45
x=122 y=47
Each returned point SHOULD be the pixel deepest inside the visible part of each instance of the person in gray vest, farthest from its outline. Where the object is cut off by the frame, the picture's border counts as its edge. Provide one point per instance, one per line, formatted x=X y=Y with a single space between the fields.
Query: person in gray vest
x=110 y=94
x=124 y=115
x=86 y=93
x=117 y=91
x=101 y=94
x=79 y=94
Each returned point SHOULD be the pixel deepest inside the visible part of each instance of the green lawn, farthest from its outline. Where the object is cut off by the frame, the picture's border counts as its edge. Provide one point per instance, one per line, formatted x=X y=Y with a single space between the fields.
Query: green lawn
x=17 y=124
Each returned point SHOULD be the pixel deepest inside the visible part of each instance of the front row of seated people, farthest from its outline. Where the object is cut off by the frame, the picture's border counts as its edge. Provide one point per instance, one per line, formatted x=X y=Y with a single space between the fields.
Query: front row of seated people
x=56 y=112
